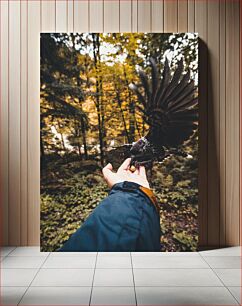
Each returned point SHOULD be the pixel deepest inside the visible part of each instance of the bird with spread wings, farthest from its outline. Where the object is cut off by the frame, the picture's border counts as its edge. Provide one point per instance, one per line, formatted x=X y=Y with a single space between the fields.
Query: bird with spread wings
x=169 y=106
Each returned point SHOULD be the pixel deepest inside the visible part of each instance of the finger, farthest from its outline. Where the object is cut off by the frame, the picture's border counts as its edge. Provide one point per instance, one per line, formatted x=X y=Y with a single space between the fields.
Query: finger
x=136 y=171
x=107 y=170
x=125 y=164
x=108 y=166
x=142 y=171
x=109 y=175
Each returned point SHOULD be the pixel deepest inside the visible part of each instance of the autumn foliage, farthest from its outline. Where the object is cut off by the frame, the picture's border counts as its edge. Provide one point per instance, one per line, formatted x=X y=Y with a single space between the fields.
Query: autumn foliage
x=87 y=108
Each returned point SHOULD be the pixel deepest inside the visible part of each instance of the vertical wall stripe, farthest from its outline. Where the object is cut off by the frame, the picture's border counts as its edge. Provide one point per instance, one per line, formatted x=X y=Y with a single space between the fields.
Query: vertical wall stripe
x=111 y=16
x=70 y=15
x=48 y=16
x=222 y=121
x=157 y=13
x=171 y=16
x=96 y=16
x=61 y=16
x=144 y=15
x=240 y=185
x=182 y=15
x=191 y=15
x=125 y=16
x=23 y=125
x=81 y=16
x=134 y=10
x=213 y=123
x=232 y=122
x=201 y=28
x=14 y=122
x=34 y=122
x=4 y=121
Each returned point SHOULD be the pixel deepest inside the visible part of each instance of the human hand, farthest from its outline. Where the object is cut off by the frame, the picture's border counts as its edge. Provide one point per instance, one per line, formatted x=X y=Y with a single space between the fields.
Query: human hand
x=124 y=174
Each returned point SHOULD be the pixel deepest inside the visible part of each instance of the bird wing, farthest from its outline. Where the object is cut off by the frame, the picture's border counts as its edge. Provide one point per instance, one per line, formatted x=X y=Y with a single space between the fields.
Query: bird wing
x=169 y=104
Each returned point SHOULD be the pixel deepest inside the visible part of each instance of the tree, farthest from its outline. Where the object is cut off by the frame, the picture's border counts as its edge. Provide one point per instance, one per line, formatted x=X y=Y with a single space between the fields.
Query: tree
x=62 y=93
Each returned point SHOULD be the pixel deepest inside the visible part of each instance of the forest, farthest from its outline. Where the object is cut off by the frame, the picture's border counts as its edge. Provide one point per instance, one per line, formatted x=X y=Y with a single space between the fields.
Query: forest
x=87 y=109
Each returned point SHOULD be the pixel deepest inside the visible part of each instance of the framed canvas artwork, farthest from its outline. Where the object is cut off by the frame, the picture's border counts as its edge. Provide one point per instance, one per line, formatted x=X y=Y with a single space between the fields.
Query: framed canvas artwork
x=119 y=142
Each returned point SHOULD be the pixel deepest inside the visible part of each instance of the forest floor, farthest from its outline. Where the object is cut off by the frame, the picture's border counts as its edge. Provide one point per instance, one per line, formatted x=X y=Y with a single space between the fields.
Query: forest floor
x=70 y=192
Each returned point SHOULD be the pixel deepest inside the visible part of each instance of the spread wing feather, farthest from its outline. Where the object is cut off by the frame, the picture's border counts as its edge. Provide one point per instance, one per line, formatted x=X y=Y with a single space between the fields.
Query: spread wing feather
x=155 y=78
x=173 y=84
x=145 y=84
x=180 y=87
x=140 y=96
x=164 y=82
x=170 y=104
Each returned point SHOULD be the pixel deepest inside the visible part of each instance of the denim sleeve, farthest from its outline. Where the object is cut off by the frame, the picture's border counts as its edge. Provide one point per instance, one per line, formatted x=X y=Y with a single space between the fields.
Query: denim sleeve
x=126 y=220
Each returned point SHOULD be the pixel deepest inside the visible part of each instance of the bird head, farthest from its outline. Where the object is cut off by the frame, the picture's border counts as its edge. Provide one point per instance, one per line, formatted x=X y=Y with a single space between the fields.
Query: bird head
x=142 y=152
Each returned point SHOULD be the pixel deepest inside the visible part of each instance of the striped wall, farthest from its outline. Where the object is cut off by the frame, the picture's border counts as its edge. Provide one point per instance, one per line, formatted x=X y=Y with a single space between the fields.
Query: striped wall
x=217 y=23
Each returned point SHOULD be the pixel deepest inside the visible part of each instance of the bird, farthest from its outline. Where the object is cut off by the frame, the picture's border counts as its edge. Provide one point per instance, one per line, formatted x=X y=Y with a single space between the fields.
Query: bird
x=168 y=103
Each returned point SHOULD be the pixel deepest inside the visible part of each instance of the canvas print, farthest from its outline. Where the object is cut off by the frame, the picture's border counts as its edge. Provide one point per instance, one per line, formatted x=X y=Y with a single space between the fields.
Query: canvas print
x=119 y=142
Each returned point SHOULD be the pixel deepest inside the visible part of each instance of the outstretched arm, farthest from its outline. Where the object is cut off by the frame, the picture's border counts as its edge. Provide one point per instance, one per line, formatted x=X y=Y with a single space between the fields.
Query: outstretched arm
x=126 y=220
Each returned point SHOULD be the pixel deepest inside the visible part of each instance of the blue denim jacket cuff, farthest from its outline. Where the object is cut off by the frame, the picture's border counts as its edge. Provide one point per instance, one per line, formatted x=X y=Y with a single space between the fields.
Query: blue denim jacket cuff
x=135 y=187
x=125 y=185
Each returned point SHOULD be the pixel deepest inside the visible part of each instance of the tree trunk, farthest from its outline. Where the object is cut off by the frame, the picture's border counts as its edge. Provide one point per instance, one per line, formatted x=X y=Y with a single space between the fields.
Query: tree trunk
x=42 y=152
x=62 y=138
x=84 y=140
x=122 y=113
x=132 y=120
x=83 y=128
x=96 y=55
x=77 y=135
